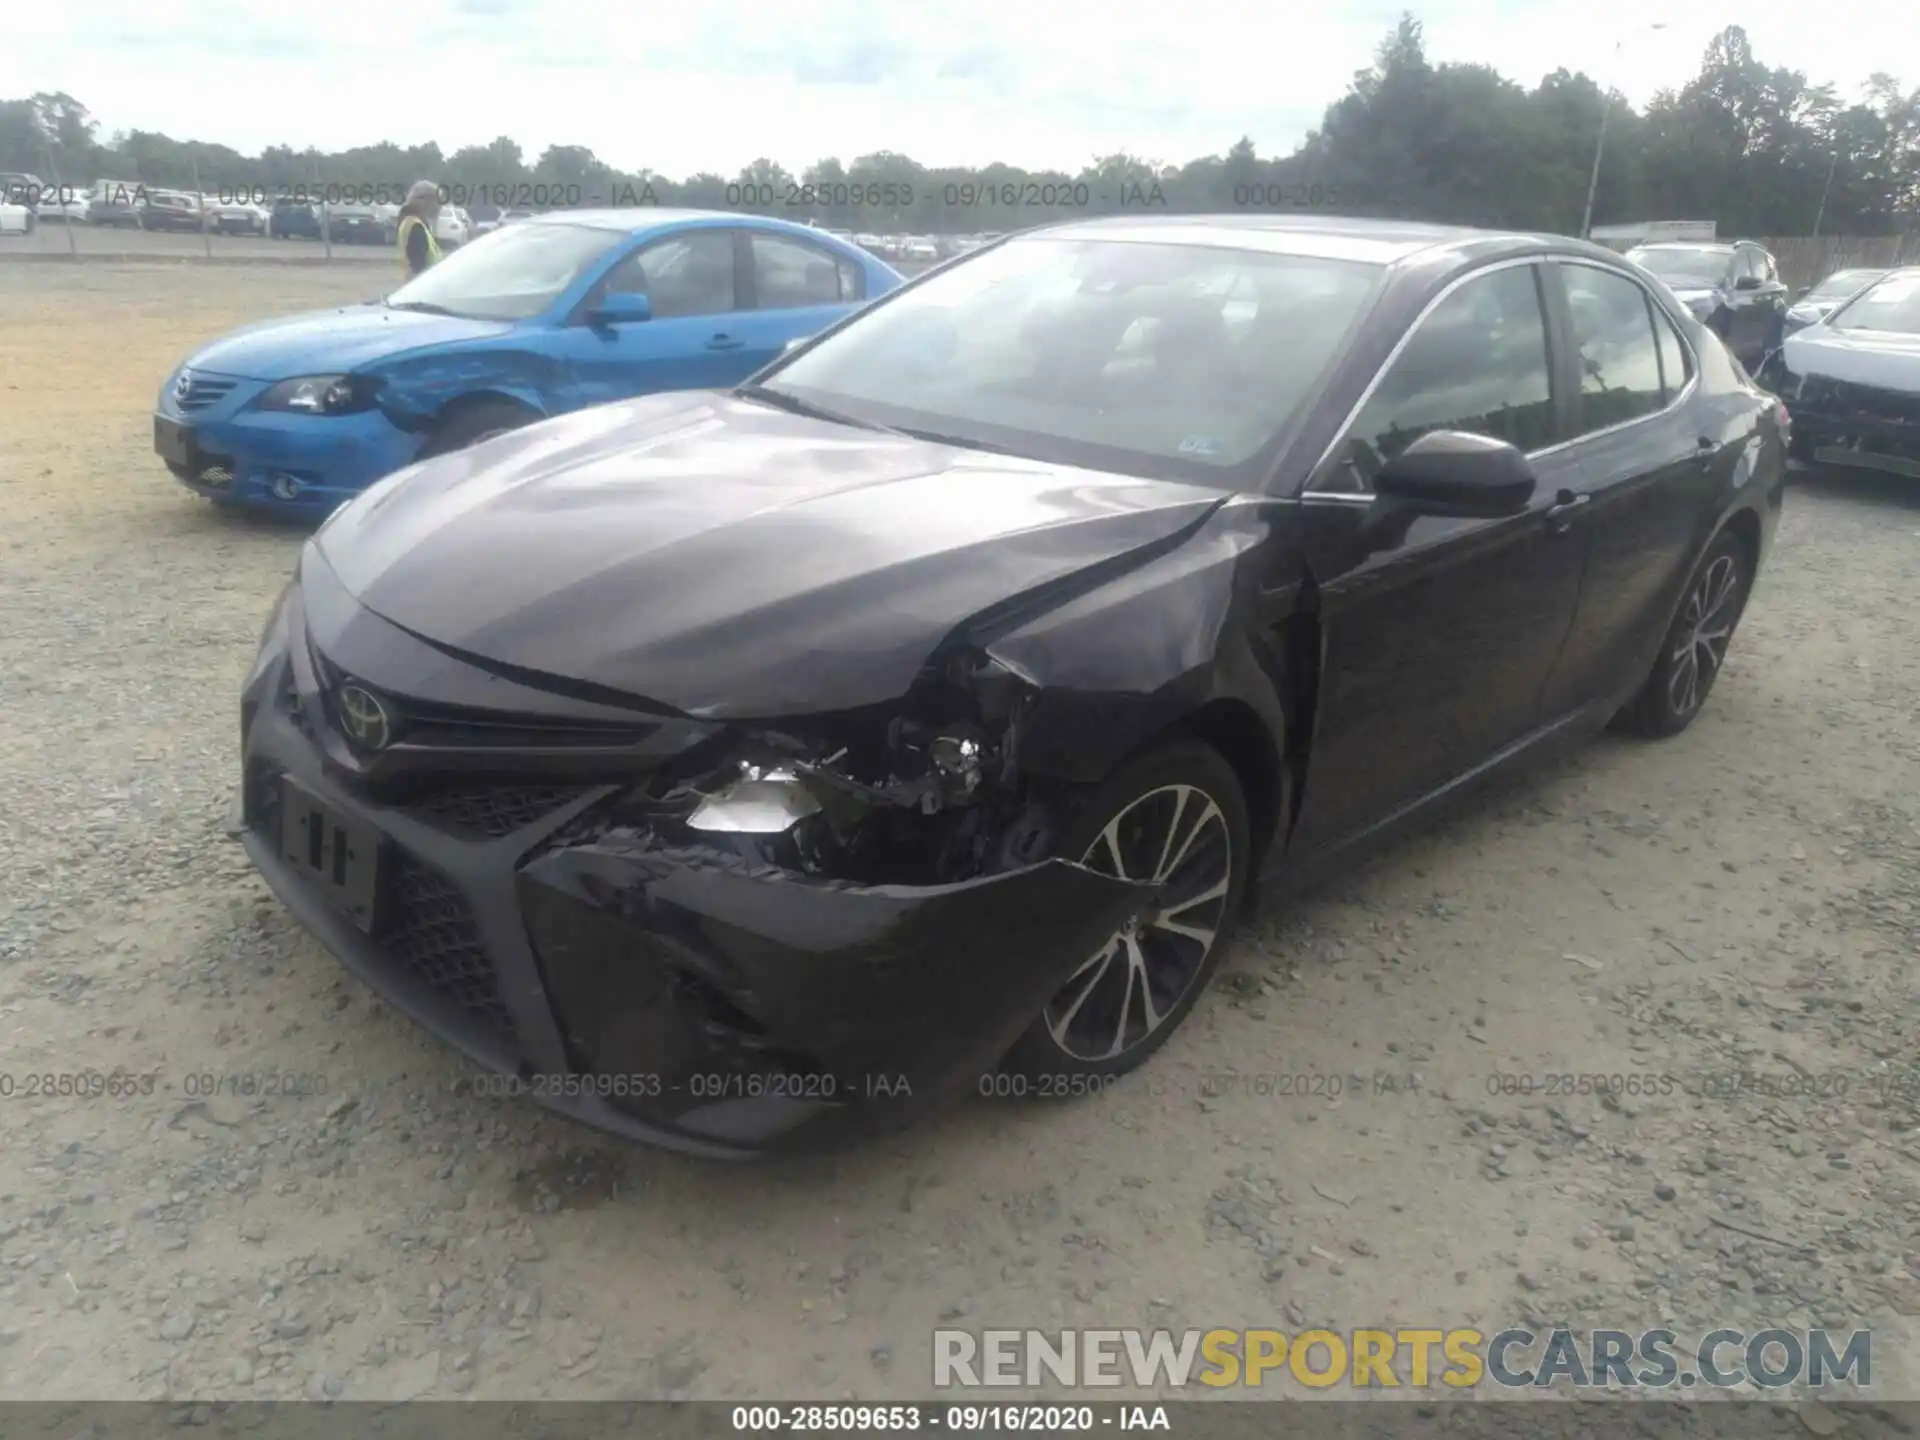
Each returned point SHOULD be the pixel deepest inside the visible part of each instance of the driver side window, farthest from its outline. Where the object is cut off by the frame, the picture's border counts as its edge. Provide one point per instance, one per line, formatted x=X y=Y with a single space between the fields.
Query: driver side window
x=683 y=275
x=1478 y=362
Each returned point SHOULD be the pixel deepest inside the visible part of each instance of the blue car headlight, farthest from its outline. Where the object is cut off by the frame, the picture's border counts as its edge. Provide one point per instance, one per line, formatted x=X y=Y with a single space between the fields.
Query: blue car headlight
x=318 y=395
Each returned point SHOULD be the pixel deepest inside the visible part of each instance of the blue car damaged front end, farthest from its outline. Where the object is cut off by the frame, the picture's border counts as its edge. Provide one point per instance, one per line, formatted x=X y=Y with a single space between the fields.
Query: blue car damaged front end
x=268 y=444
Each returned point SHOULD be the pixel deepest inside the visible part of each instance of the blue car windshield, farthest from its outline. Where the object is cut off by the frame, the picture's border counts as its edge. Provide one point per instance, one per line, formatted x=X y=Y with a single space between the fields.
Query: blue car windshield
x=508 y=274
x=1144 y=358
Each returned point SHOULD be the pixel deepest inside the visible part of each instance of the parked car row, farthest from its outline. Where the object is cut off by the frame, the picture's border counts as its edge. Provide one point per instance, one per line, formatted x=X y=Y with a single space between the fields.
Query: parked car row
x=128 y=204
x=920 y=249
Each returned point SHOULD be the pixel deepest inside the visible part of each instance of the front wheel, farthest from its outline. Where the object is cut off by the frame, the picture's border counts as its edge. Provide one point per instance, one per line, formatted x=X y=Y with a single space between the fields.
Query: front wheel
x=1175 y=817
x=473 y=423
x=1696 y=643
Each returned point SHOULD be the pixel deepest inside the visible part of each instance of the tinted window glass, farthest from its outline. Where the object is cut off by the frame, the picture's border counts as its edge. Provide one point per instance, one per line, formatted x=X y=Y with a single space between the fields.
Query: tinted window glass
x=1613 y=335
x=788 y=274
x=1674 y=366
x=1477 y=363
x=689 y=274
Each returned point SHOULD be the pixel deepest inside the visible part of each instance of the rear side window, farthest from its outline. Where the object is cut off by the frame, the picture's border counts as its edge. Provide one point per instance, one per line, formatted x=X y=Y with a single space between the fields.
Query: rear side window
x=1617 y=353
x=1675 y=368
x=791 y=275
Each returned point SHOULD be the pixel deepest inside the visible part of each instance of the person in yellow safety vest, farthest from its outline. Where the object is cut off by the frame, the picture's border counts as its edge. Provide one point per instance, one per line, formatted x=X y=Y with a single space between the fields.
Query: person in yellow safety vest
x=418 y=246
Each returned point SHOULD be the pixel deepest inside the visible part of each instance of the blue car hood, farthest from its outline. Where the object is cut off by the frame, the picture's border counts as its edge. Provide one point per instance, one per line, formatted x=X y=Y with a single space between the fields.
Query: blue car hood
x=330 y=342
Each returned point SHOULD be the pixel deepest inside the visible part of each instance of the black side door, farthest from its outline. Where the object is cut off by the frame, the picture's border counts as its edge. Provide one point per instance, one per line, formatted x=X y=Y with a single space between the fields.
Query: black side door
x=1433 y=649
x=1644 y=469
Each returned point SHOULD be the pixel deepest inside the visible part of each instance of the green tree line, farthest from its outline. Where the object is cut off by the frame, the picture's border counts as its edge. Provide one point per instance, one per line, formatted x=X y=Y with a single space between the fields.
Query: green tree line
x=1760 y=149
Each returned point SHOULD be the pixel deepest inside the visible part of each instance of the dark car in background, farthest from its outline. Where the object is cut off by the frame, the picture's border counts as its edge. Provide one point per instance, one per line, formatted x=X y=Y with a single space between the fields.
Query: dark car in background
x=171 y=210
x=1734 y=289
x=294 y=220
x=1816 y=302
x=1851 y=381
x=115 y=203
x=761 y=764
x=358 y=225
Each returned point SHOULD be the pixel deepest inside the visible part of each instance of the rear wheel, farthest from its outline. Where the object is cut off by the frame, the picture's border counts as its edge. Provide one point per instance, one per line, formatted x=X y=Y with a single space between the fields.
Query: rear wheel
x=1175 y=816
x=1695 y=646
x=470 y=424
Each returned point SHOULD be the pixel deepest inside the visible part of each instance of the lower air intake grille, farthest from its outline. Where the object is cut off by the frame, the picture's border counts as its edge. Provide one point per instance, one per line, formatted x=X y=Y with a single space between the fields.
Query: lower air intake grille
x=432 y=936
x=491 y=812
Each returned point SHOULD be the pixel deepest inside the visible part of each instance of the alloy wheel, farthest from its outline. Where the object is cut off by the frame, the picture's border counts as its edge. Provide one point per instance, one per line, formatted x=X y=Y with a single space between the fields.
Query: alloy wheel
x=1706 y=624
x=1177 y=837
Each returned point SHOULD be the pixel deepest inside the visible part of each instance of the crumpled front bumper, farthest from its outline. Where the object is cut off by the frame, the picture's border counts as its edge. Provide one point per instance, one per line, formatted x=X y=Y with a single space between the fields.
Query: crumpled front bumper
x=681 y=997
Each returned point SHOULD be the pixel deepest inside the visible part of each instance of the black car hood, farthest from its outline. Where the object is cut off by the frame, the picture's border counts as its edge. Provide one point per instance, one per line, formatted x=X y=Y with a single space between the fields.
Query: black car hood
x=727 y=559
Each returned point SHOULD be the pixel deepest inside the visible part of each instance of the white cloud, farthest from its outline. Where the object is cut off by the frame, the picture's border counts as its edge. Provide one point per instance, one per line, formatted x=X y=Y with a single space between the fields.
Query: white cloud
x=683 y=88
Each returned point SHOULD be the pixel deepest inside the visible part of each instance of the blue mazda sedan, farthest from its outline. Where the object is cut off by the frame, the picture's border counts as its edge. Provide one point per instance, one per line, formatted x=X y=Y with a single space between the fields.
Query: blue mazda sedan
x=547 y=315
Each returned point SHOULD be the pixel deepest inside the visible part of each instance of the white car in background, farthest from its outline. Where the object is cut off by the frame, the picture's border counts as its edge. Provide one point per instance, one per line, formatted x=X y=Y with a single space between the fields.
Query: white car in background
x=15 y=219
x=453 y=226
x=66 y=205
x=920 y=249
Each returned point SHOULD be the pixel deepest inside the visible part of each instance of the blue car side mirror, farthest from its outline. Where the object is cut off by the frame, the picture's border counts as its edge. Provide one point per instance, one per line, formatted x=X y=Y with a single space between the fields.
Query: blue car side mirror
x=622 y=307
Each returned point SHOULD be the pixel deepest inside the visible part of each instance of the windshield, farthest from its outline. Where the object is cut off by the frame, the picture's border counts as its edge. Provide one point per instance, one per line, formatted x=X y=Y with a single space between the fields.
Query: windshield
x=1680 y=268
x=1153 y=358
x=1843 y=283
x=508 y=274
x=1892 y=306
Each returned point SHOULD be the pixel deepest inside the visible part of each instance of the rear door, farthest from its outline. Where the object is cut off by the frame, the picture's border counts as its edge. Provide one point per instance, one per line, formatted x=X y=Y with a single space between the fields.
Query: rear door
x=1434 y=648
x=795 y=290
x=1640 y=470
x=691 y=278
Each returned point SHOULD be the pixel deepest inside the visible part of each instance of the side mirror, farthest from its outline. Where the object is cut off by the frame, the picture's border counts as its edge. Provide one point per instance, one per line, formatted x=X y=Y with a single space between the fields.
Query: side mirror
x=1747 y=282
x=621 y=307
x=1453 y=473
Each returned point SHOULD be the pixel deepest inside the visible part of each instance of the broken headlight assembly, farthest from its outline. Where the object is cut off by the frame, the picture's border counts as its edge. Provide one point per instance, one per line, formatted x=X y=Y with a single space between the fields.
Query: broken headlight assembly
x=928 y=794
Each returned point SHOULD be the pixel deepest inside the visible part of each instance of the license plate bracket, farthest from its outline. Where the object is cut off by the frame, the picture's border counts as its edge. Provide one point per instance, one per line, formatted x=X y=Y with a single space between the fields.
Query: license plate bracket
x=339 y=857
x=172 y=441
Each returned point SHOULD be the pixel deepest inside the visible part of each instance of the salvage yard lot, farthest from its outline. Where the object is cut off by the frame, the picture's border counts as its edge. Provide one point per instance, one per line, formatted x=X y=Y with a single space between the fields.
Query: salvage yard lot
x=1744 y=899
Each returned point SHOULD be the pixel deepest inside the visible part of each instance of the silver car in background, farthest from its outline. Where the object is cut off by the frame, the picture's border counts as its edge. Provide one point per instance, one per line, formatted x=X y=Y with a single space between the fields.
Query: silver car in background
x=1819 y=301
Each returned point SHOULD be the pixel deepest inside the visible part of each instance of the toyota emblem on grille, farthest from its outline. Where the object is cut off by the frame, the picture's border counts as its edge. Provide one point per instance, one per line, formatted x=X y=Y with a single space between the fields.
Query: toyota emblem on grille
x=183 y=386
x=364 y=718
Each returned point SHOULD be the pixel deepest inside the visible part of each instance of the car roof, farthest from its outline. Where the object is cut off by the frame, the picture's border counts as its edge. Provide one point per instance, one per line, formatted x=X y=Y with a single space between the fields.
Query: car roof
x=1322 y=236
x=632 y=219
x=1705 y=247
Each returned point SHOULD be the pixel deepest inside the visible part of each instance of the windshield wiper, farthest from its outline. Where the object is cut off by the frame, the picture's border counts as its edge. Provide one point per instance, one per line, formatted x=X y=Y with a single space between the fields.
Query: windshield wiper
x=425 y=307
x=794 y=405
x=965 y=442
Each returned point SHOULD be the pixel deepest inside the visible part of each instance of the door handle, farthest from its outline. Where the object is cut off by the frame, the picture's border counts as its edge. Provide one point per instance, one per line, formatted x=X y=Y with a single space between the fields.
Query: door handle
x=724 y=342
x=1566 y=504
x=1706 y=448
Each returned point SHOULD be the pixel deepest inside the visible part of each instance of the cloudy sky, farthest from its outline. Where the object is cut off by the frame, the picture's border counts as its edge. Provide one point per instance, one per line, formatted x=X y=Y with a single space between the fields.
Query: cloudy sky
x=687 y=87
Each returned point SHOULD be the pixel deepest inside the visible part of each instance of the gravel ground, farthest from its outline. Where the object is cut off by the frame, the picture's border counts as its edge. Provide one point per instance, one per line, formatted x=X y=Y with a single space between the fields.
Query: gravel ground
x=1745 y=898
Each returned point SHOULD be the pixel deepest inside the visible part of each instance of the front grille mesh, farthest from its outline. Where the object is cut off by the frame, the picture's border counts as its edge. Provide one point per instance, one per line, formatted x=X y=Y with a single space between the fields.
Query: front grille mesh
x=492 y=811
x=431 y=933
x=201 y=391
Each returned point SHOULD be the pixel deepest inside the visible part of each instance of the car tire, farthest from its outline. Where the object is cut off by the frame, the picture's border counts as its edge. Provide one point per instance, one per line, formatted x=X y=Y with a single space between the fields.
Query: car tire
x=1183 y=794
x=1694 y=649
x=470 y=424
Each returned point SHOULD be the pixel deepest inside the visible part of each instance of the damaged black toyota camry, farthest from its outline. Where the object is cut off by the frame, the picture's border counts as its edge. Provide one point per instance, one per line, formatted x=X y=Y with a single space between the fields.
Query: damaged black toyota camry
x=738 y=770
